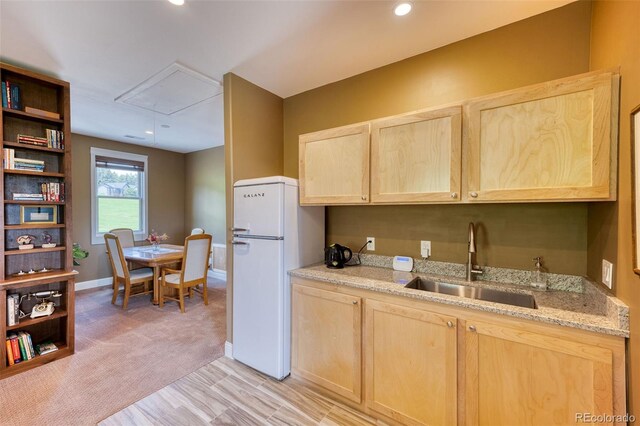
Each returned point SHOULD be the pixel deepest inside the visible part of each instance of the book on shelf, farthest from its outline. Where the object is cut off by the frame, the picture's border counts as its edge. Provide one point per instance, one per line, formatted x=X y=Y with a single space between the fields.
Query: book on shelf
x=41 y=112
x=13 y=309
x=9 y=352
x=15 y=348
x=45 y=348
x=11 y=95
x=7 y=158
x=28 y=197
x=54 y=139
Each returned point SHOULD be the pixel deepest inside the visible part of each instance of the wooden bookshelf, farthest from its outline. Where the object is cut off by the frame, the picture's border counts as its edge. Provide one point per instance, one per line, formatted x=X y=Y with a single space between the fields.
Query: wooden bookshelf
x=53 y=95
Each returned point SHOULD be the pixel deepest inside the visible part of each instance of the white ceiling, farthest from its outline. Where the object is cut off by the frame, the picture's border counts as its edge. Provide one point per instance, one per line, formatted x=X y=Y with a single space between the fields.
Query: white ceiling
x=105 y=48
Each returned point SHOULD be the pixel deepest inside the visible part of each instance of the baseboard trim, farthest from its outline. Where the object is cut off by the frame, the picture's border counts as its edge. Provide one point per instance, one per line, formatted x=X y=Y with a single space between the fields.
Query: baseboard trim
x=100 y=282
x=218 y=273
x=228 y=350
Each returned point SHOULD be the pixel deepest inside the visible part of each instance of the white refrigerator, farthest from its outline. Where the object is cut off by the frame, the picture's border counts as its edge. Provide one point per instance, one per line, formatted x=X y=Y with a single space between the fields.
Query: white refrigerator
x=272 y=234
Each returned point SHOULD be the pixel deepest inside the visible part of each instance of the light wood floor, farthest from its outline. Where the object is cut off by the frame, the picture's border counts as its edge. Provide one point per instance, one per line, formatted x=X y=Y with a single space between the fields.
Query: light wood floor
x=225 y=392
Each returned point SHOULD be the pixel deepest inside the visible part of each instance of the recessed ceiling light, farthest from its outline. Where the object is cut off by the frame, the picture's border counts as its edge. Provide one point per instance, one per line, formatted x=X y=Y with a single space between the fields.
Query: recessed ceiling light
x=149 y=132
x=401 y=9
x=177 y=2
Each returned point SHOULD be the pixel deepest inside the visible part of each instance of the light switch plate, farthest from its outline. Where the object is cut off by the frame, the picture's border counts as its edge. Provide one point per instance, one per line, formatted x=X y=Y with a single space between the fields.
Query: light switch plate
x=607 y=273
x=425 y=249
x=372 y=245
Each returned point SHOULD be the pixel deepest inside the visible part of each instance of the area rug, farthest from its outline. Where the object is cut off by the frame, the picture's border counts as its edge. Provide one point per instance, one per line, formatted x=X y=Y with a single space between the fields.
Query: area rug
x=121 y=357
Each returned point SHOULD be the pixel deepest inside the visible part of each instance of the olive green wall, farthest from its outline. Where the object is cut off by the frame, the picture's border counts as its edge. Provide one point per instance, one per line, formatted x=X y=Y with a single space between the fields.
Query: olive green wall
x=204 y=192
x=615 y=29
x=165 y=198
x=545 y=47
x=253 y=148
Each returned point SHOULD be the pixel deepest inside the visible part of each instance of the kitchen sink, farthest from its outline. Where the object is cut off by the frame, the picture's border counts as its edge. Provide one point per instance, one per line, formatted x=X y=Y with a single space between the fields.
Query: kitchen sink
x=490 y=295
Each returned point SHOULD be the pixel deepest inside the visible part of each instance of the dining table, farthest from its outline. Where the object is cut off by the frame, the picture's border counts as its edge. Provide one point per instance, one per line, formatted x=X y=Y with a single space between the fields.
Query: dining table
x=154 y=257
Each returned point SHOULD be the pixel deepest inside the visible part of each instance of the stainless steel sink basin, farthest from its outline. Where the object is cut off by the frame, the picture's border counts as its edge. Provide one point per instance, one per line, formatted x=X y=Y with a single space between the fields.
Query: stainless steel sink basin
x=490 y=295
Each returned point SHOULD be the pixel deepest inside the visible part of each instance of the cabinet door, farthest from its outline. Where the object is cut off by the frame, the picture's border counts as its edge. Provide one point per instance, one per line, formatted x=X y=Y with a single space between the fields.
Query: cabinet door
x=334 y=166
x=517 y=376
x=550 y=141
x=411 y=364
x=326 y=340
x=416 y=157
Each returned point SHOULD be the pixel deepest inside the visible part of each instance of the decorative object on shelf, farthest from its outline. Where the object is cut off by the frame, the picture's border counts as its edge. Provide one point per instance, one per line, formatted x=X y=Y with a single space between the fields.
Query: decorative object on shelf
x=38 y=215
x=42 y=112
x=48 y=241
x=78 y=254
x=45 y=307
x=155 y=239
x=25 y=242
x=635 y=149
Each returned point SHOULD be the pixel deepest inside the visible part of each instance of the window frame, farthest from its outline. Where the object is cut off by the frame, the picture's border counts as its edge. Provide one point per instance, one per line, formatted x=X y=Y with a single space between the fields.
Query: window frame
x=97 y=237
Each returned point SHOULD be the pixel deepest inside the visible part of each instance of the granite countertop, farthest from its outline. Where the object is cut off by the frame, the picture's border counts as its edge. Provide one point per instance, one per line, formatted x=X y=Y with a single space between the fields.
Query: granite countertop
x=588 y=309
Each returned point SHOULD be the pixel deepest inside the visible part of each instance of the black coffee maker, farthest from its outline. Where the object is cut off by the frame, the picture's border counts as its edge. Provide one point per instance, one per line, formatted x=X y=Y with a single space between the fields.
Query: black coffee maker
x=335 y=256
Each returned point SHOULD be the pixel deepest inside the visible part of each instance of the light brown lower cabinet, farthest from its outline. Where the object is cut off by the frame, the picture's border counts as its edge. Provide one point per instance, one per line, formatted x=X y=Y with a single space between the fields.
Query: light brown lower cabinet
x=410 y=364
x=527 y=377
x=327 y=340
x=425 y=363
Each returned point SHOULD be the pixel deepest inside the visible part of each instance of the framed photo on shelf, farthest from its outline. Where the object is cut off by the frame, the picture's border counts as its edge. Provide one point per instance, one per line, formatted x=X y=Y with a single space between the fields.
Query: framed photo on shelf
x=635 y=187
x=38 y=215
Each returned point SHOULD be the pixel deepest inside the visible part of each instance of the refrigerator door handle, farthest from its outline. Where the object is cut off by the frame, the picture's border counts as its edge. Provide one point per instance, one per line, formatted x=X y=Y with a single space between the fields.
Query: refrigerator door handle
x=238 y=230
x=238 y=243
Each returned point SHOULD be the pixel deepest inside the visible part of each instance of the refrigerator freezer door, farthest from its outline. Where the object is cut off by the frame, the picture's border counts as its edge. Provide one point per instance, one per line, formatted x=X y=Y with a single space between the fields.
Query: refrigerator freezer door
x=259 y=305
x=259 y=210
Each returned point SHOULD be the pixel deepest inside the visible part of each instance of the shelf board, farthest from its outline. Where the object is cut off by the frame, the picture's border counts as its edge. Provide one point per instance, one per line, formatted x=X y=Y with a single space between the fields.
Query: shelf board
x=38 y=202
x=56 y=274
x=29 y=116
x=31 y=173
x=33 y=147
x=13 y=252
x=31 y=321
x=29 y=226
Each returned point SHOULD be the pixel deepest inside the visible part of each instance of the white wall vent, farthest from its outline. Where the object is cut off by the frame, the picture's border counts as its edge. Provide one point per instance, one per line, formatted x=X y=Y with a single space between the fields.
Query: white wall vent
x=172 y=90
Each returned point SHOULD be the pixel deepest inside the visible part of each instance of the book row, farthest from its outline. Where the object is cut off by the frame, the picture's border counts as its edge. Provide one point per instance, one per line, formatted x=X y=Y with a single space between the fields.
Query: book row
x=50 y=191
x=20 y=348
x=10 y=161
x=54 y=139
x=11 y=96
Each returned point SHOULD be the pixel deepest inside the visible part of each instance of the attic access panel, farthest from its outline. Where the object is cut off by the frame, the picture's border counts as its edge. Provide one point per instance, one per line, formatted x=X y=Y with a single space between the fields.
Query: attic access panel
x=172 y=90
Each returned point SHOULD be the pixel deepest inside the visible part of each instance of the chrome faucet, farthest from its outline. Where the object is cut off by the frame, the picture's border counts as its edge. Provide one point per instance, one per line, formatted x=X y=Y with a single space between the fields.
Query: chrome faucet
x=471 y=268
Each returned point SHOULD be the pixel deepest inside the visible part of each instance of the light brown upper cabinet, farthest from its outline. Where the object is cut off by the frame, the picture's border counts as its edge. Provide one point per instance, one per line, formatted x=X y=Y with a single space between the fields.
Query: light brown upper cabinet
x=334 y=166
x=550 y=141
x=416 y=157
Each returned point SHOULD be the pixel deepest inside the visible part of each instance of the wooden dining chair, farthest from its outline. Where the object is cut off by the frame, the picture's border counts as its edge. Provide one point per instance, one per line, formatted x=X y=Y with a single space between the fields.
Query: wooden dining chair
x=125 y=235
x=122 y=274
x=197 y=231
x=197 y=249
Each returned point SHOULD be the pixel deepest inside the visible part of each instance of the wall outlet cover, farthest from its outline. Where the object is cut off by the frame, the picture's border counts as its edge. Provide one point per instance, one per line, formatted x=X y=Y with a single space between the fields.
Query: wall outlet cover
x=607 y=273
x=371 y=246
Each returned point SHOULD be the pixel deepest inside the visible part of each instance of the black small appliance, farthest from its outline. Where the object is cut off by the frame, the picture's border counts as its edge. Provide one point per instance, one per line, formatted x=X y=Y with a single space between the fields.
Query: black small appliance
x=335 y=256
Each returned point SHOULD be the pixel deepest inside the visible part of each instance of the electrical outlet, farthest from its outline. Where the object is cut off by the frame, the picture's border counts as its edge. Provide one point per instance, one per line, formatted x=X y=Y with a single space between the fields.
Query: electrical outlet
x=425 y=249
x=607 y=273
x=371 y=244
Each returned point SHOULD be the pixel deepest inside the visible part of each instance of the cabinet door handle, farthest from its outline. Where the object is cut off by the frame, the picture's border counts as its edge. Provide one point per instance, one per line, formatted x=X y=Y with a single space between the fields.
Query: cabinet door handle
x=472 y=328
x=454 y=194
x=364 y=197
x=474 y=194
x=355 y=302
x=450 y=324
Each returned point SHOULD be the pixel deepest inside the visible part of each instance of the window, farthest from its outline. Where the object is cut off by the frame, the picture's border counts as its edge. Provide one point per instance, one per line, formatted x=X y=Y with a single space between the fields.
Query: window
x=118 y=193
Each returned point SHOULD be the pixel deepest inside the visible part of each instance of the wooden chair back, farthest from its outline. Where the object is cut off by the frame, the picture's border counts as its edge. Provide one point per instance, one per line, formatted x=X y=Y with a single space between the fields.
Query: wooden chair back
x=114 y=249
x=197 y=249
x=125 y=235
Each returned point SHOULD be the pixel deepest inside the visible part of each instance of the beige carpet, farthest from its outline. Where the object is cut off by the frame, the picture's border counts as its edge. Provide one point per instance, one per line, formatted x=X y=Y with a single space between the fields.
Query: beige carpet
x=121 y=357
